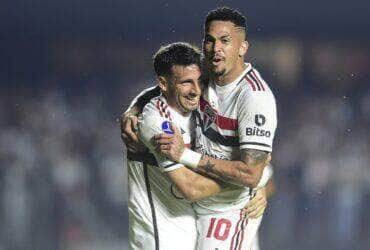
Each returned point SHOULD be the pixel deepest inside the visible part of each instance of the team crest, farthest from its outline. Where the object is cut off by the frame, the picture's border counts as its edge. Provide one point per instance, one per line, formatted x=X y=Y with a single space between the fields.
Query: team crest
x=209 y=116
x=166 y=127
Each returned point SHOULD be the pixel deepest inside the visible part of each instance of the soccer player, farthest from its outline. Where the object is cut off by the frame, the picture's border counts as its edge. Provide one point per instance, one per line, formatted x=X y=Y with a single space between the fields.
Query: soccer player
x=160 y=217
x=236 y=122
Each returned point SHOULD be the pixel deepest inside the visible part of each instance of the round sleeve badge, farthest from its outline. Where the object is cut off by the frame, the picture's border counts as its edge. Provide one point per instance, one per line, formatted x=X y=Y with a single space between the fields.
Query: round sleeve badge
x=167 y=128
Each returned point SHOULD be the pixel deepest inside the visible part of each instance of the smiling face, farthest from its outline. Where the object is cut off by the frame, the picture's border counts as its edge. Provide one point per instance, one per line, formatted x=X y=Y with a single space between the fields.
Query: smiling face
x=182 y=88
x=224 y=48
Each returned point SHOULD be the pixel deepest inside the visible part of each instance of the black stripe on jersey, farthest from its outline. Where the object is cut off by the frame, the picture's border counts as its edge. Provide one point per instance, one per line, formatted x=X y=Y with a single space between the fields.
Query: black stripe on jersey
x=255 y=143
x=213 y=135
x=152 y=209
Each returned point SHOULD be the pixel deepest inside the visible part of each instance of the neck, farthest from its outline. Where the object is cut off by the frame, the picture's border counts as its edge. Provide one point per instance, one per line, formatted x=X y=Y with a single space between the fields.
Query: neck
x=230 y=76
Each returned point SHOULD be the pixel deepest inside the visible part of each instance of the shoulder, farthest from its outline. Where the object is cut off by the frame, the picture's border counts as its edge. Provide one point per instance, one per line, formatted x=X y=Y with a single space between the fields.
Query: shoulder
x=157 y=107
x=153 y=119
x=253 y=88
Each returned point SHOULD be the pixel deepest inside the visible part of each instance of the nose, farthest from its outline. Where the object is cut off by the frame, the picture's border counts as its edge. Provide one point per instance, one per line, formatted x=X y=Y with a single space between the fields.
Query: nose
x=196 y=88
x=217 y=45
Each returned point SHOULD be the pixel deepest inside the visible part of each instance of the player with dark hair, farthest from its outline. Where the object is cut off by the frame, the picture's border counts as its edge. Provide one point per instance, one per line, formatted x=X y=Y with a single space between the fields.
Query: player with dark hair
x=236 y=122
x=160 y=192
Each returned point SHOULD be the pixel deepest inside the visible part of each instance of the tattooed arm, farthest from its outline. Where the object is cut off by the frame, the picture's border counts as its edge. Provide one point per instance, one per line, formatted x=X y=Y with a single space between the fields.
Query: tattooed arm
x=246 y=172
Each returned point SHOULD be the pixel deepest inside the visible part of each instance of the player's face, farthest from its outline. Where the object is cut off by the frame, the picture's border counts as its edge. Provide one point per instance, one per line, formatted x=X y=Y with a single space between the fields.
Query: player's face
x=184 y=88
x=224 y=48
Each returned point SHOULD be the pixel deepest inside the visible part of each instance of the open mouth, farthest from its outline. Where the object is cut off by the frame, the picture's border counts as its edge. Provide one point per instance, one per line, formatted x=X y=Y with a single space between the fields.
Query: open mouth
x=216 y=60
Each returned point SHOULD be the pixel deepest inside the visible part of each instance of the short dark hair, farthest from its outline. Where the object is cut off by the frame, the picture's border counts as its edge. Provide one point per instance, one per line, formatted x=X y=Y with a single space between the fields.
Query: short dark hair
x=178 y=53
x=226 y=14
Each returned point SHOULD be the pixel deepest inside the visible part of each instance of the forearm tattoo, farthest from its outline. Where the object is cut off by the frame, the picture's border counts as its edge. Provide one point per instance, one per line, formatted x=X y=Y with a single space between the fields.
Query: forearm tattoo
x=209 y=166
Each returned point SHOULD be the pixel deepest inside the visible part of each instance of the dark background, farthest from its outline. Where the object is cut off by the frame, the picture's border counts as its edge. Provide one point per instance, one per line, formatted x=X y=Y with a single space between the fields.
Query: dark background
x=68 y=68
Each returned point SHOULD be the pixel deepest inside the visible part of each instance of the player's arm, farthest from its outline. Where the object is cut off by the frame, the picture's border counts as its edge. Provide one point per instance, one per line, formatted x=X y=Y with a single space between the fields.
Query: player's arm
x=246 y=172
x=193 y=186
x=256 y=112
x=128 y=119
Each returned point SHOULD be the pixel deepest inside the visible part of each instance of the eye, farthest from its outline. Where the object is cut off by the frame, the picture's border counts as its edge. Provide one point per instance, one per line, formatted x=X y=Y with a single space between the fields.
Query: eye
x=225 y=40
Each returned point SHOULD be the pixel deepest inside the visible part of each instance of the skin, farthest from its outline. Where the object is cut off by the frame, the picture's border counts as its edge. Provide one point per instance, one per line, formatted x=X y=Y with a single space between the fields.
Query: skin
x=257 y=205
x=182 y=88
x=224 y=47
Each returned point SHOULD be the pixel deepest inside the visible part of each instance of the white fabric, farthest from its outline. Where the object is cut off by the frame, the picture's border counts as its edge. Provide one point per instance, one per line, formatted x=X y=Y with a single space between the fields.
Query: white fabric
x=175 y=217
x=150 y=123
x=190 y=158
x=228 y=230
x=239 y=115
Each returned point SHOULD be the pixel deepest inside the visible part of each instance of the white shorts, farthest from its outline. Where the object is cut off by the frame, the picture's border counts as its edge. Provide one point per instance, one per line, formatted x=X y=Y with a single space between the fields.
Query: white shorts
x=227 y=231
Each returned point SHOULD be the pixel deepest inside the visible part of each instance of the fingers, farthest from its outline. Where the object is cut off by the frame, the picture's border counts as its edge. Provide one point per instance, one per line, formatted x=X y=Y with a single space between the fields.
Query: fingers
x=255 y=210
x=163 y=141
x=163 y=136
x=256 y=206
x=175 y=129
x=128 y=130
x=134 y=121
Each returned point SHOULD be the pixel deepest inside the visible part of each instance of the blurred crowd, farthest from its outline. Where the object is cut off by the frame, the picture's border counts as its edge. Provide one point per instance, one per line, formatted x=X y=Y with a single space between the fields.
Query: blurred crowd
x=63 y=178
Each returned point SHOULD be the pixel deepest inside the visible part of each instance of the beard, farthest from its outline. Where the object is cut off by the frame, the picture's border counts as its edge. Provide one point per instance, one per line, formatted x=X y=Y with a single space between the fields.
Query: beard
x=217 y=73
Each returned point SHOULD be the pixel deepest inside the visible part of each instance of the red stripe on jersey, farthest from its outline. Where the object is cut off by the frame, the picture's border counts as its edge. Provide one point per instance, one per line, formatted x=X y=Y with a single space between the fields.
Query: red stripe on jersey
x=221 y=121
x=188 y=145
x=243 y=227
x=259 y=81
x=236 y=230
x=159 y=108
x=250 y=83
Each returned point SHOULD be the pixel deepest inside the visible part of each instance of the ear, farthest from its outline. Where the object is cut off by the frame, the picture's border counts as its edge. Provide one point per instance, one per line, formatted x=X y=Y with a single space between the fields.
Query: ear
x=243 y=48
x=162 y=83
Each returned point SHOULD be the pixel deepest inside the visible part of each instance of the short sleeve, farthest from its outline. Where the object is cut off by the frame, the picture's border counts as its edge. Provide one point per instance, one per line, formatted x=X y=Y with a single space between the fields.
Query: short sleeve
x=257 y=120
x=150 y=125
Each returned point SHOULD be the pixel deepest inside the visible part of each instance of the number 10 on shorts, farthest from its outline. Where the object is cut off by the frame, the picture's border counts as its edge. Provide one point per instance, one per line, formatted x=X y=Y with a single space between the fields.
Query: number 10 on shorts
x=219 y=228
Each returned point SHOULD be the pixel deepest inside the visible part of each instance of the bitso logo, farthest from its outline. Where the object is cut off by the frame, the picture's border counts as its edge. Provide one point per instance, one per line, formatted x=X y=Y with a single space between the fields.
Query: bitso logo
x=167 y=128
x=260 y=120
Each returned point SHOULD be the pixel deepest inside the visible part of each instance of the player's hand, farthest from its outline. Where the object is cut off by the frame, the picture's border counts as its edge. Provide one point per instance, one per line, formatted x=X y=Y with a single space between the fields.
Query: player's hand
x=172 y=146
x=256 y=207
x=129 y=133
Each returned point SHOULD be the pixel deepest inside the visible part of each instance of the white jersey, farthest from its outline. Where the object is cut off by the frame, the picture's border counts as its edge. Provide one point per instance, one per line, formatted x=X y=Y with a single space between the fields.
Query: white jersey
x=159 y=217
x=239 y=115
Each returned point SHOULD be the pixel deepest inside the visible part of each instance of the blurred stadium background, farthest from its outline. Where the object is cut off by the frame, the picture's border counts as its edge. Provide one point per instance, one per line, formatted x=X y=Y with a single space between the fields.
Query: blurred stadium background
x=67 y=68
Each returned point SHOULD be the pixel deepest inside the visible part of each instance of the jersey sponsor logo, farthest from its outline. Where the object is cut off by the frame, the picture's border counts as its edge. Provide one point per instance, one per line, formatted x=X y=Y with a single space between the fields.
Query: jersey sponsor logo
x=166 y=127
x=182 y=131
x=260 y=120
x=258 y=132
